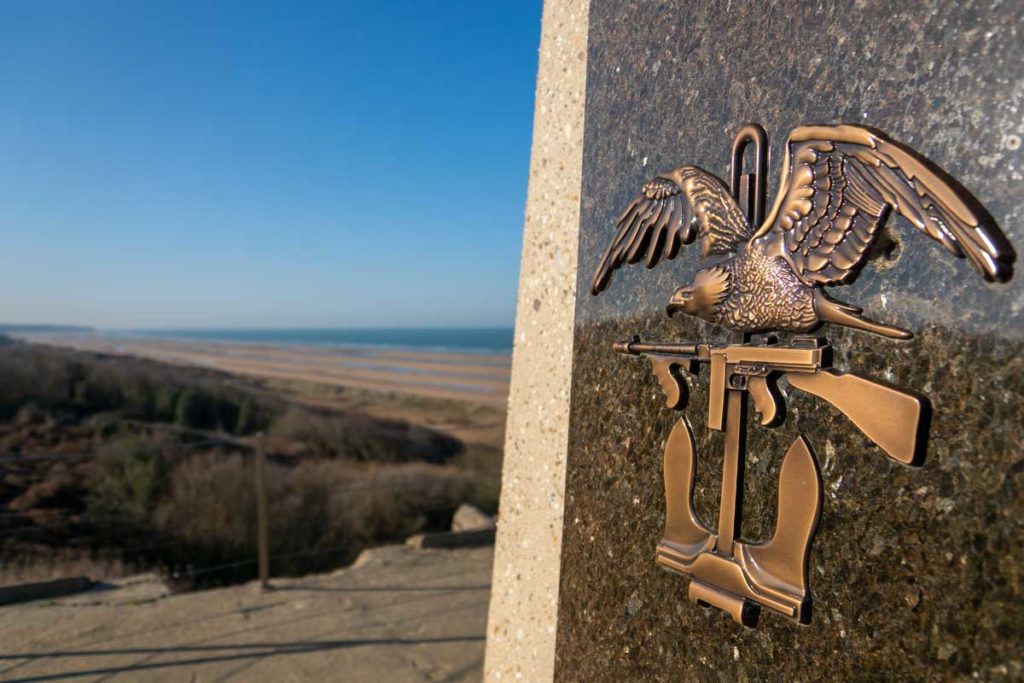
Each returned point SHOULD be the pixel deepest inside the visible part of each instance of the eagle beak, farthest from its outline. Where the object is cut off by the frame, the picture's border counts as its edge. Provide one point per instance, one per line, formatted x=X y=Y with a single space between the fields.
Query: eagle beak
x=678 y=301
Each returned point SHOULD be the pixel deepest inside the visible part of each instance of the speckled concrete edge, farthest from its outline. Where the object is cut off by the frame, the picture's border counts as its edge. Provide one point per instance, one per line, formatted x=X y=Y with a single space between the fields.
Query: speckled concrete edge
x=524 y=594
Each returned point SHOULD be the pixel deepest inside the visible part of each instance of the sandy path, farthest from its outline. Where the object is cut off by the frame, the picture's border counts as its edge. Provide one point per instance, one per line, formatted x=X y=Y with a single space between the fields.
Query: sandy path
x=402 y=615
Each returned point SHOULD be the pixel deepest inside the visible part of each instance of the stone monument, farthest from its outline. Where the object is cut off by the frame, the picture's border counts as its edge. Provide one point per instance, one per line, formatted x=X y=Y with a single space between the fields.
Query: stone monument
x=914 y=573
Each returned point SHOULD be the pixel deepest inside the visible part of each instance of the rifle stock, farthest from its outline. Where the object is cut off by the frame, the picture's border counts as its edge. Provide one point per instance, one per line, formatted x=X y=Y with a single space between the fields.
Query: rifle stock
x=895 y=420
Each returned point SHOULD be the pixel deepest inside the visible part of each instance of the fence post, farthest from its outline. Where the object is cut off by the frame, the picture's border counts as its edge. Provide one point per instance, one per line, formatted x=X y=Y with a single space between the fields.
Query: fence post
x=262 y=534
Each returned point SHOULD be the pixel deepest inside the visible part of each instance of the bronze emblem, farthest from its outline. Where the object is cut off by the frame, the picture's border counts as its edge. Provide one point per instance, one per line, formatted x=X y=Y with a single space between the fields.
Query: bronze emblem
x=763 y=274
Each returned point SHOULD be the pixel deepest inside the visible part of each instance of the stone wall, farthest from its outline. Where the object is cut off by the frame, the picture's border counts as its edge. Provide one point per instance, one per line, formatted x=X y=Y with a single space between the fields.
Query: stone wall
x=524 y=594
x=915 y=573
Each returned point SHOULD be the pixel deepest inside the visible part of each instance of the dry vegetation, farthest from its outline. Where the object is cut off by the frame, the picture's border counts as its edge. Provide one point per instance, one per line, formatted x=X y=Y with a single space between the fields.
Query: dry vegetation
x=149 y=466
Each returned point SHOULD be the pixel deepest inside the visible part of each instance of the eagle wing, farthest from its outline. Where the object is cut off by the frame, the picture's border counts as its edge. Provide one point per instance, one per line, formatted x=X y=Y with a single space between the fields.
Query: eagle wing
x=839 y=184
x=670 y=211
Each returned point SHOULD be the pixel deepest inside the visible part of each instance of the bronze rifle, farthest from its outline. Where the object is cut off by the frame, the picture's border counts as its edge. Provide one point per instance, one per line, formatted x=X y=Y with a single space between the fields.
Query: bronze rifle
x=880 y=411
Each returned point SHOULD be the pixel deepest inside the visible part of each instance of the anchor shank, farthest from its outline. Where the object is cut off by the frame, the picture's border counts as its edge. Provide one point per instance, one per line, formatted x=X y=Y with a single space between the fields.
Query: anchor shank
x=732 y=471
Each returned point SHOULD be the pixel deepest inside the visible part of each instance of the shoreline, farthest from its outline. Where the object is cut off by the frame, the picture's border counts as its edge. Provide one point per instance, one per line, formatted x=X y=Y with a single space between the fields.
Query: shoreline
x=460 y=375
x=347 y=346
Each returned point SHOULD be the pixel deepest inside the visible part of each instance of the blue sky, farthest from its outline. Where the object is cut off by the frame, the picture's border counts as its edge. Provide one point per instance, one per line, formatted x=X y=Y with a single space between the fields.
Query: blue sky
x=243 y=164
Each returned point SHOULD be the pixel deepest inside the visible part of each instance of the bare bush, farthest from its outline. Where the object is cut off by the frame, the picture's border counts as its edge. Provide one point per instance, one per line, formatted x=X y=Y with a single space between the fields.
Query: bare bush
x=359 y=437
x=323 y=512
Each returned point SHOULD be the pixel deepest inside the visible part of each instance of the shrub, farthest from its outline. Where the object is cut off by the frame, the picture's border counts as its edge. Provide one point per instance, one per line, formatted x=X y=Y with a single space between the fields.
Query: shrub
x=131 y=475
x=186 y=413
x=482 y=464
x=322 y=513
x=362 y=438
x=247 y=419
x=87 y=383
x=139 y=400
x=57 y=489
x=165 y=403
x=209 y=500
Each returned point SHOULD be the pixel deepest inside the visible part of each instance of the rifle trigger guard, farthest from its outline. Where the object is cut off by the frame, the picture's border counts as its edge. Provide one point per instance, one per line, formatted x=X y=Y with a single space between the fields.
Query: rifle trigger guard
x=768 y=400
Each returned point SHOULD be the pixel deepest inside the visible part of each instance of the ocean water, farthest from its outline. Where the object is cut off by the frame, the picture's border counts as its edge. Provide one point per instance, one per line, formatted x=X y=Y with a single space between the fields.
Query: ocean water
x=496 y=340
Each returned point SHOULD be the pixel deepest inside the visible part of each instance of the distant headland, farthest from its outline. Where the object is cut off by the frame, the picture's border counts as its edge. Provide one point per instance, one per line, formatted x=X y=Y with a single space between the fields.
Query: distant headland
x=11 y=328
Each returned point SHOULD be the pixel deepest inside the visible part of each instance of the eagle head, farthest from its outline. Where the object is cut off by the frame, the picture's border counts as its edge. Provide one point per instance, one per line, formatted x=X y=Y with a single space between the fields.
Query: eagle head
x=710 y=287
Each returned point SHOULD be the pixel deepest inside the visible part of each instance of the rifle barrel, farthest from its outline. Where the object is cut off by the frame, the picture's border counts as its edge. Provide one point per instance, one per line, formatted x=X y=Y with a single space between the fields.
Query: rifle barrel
x=634 y=348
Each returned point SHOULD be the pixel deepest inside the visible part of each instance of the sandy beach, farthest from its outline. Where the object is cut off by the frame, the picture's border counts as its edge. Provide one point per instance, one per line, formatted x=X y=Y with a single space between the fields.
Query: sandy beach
x=481 y=378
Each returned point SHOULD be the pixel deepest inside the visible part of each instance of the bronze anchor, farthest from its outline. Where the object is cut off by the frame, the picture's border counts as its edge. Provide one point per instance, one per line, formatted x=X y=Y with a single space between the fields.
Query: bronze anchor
x=728 y=572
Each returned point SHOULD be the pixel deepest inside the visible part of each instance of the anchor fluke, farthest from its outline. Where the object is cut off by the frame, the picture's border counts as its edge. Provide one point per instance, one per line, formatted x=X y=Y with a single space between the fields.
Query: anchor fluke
x=685 y=535
x=781 y=563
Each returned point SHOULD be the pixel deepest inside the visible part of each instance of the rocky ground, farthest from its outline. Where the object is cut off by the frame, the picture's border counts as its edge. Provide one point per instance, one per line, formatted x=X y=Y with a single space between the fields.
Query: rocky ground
x=398 y=614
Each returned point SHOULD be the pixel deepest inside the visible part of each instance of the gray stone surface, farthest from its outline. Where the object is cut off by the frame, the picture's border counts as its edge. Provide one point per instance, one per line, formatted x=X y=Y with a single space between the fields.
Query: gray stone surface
x=915 y=573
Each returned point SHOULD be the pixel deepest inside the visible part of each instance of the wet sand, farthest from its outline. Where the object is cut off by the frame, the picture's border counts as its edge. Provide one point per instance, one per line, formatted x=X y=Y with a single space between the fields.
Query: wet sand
x=472 y=377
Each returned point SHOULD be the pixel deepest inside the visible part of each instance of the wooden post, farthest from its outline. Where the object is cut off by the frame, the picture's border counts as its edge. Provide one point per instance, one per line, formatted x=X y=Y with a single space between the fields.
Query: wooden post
x=262 y=533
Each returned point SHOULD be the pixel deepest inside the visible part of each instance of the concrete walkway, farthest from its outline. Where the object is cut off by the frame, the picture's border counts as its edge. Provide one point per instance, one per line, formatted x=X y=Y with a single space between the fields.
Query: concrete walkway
x=399 y=614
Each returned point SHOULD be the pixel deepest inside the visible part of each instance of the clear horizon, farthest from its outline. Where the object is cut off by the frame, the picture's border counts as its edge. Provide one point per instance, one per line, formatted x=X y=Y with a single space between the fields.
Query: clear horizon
x=247 y=165
x=8 y=324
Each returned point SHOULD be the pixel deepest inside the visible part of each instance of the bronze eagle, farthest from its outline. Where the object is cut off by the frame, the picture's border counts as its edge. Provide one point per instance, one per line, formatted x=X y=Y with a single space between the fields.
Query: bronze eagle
x=839 y=185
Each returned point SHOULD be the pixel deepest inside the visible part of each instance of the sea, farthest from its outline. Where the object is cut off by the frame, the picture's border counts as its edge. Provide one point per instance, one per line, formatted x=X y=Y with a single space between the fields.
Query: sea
x=482 y=340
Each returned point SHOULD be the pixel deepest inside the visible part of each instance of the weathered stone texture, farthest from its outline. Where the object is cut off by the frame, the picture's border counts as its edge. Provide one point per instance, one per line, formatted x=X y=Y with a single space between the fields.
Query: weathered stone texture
x=524 y=597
